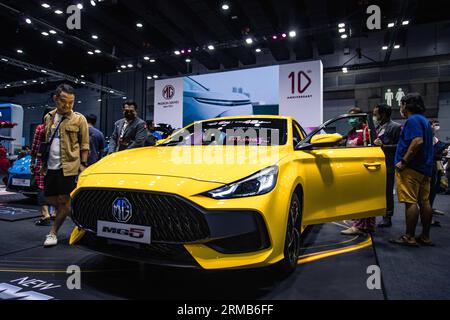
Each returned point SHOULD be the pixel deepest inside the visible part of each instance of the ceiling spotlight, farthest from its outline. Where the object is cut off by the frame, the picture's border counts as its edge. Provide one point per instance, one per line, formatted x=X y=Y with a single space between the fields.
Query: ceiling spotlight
x=90 y=53
x=58 y=11
x=52 y=31
x=344 y=69
x=225 y=7
x=93 y=3
x=405 y=23
x=44 y=71
x=275 y=37
x=149 y=78
x=45 y=5
x=188 y=60
x=46 y=34
x=211 y=47
x=8 y=85
x=60 y=42
x=155 y=76
x=344 y=36
x=99 y=100
x=177 y=52
x=342 y=30
x=82 y=76
x=123 y=66
x=119 y=71
x=24 y=82
x=28 y=20
x=98 y=51
x=80 y=6
x=82 y=82
x=341 y=25
x=5 y=60
x=391 y=25
x=397 y=46
x=284 y=35
x=79 y=102
x=249 y=40
x=19 y=51
x=130 y=65
x=34 y=81
x=152 y=60
x=111 y=91
x=292 y=34
x=146 y=58
x=385 y=47
x=258 y=50
x=139 y=25
x=189 y=51
x=94 y=36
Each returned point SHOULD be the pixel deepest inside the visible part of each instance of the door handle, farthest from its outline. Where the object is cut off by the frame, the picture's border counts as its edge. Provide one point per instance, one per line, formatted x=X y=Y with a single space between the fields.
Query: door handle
x=373 y=166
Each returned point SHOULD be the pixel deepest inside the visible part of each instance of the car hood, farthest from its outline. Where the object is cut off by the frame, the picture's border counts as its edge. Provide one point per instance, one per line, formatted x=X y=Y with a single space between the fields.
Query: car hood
x=21 y=166
x=217 y=164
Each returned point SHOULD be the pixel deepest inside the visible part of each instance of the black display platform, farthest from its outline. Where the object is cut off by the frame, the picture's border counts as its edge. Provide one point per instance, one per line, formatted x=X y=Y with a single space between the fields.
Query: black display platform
x=331 y=267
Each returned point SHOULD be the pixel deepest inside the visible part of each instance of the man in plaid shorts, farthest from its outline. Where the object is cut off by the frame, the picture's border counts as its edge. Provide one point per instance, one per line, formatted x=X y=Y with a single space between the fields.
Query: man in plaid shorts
x=35 y=169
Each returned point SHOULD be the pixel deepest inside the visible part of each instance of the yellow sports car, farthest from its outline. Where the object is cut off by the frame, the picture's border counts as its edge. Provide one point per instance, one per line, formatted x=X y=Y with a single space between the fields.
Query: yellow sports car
x=228 y=193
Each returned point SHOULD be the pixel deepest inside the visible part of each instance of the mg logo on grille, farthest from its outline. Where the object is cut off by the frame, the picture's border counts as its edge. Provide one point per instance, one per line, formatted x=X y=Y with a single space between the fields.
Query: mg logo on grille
x=122 y=210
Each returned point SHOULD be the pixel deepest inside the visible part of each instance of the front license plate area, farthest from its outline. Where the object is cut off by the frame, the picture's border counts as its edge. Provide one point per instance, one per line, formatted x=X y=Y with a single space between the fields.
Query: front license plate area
x=124 y=232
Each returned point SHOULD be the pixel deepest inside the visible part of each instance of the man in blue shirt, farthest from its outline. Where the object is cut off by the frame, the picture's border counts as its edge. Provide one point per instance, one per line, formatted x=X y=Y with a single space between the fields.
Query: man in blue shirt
x=96 y=140
x=414 y=166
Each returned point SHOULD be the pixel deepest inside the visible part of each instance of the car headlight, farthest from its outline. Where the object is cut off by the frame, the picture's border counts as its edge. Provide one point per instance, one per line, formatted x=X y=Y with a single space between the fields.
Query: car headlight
x=260 y=183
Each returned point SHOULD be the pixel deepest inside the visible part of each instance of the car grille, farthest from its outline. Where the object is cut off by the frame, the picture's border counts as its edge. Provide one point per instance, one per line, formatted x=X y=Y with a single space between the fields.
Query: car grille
x=172 y=219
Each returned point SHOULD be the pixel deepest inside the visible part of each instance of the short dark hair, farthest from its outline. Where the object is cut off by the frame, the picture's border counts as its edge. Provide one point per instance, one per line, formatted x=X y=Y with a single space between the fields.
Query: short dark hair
x=64 y=88
x=130 y=103
x=355 y=110
x=414 y=103
x=46 y=111
x=384 y=109
x=92 y=119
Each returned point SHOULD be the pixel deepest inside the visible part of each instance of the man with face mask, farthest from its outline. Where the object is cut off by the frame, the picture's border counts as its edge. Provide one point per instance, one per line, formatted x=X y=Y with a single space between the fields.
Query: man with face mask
x=388 y=134
x=414 y=169
x=67 y=134
x=129 y=132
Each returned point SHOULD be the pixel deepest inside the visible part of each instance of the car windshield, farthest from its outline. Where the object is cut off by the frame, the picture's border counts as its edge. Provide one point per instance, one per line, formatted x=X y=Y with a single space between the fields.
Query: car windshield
x=250 y=132
x=192 y=85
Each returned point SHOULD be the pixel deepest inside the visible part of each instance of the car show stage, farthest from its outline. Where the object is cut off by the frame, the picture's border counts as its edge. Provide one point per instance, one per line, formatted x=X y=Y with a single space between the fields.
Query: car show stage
x=331 y=266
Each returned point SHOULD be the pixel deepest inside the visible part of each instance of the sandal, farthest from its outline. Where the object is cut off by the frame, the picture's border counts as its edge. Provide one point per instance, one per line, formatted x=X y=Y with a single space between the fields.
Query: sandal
x=43 y=222
x=426 y=243
x=404 y=241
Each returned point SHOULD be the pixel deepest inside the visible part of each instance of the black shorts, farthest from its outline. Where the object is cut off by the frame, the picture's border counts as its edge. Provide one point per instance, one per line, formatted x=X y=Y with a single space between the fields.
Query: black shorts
x=56 y=184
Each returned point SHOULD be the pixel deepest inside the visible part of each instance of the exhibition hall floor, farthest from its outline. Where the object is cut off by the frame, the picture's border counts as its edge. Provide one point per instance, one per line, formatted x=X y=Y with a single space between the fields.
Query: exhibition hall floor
x=331 y=267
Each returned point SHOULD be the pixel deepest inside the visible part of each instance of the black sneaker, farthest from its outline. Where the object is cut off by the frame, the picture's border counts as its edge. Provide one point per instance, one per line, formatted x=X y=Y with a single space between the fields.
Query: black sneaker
x=386 y=223
x=43 y=222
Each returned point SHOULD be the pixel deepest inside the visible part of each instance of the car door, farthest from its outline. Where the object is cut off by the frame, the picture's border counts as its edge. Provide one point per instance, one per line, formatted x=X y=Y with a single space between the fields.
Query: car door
x=346 y=181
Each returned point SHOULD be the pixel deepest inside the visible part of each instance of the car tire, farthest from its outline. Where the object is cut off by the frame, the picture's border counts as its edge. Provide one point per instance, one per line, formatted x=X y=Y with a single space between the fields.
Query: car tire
x=292 y=243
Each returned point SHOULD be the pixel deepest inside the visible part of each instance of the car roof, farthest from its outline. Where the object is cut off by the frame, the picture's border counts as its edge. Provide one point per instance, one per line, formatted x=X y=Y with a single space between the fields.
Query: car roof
x=248 y=117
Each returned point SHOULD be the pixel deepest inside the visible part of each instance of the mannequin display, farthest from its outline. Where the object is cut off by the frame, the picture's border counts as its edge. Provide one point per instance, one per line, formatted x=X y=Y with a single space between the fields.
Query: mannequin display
x=400 y=94
x=389 y=96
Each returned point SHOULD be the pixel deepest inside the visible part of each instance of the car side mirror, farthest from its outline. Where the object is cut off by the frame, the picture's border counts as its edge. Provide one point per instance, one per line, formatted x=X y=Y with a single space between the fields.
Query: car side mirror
x=322 y=141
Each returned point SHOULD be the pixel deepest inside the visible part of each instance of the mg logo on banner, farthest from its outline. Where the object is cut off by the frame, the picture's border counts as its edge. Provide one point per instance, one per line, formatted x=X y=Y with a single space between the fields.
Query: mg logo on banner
x=168 y=92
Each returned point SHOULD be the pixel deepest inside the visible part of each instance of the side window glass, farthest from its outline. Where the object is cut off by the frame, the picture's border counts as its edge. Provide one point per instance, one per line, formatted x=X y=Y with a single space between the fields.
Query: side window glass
x=297 y=135
x=354 y=130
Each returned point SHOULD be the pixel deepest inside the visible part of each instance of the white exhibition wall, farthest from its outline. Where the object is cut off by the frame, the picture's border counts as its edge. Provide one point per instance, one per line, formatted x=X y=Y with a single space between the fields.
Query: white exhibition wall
x=289 y=90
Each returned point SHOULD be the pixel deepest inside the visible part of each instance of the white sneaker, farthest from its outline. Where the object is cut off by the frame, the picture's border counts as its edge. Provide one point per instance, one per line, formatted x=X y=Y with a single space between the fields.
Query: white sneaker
x=353 y=231
x=51 y=240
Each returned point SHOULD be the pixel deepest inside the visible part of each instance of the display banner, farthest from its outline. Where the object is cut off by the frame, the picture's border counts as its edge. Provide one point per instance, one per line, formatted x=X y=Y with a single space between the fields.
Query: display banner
x=289 y=90
x=169 y=102
x=301 y=92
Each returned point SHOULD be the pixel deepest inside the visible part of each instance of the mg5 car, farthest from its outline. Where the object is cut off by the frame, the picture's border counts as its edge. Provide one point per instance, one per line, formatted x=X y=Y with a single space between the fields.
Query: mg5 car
x=228 y=193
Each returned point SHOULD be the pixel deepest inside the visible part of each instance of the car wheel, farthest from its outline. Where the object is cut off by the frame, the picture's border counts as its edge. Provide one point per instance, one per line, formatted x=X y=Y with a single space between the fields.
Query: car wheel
x=292 y=243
